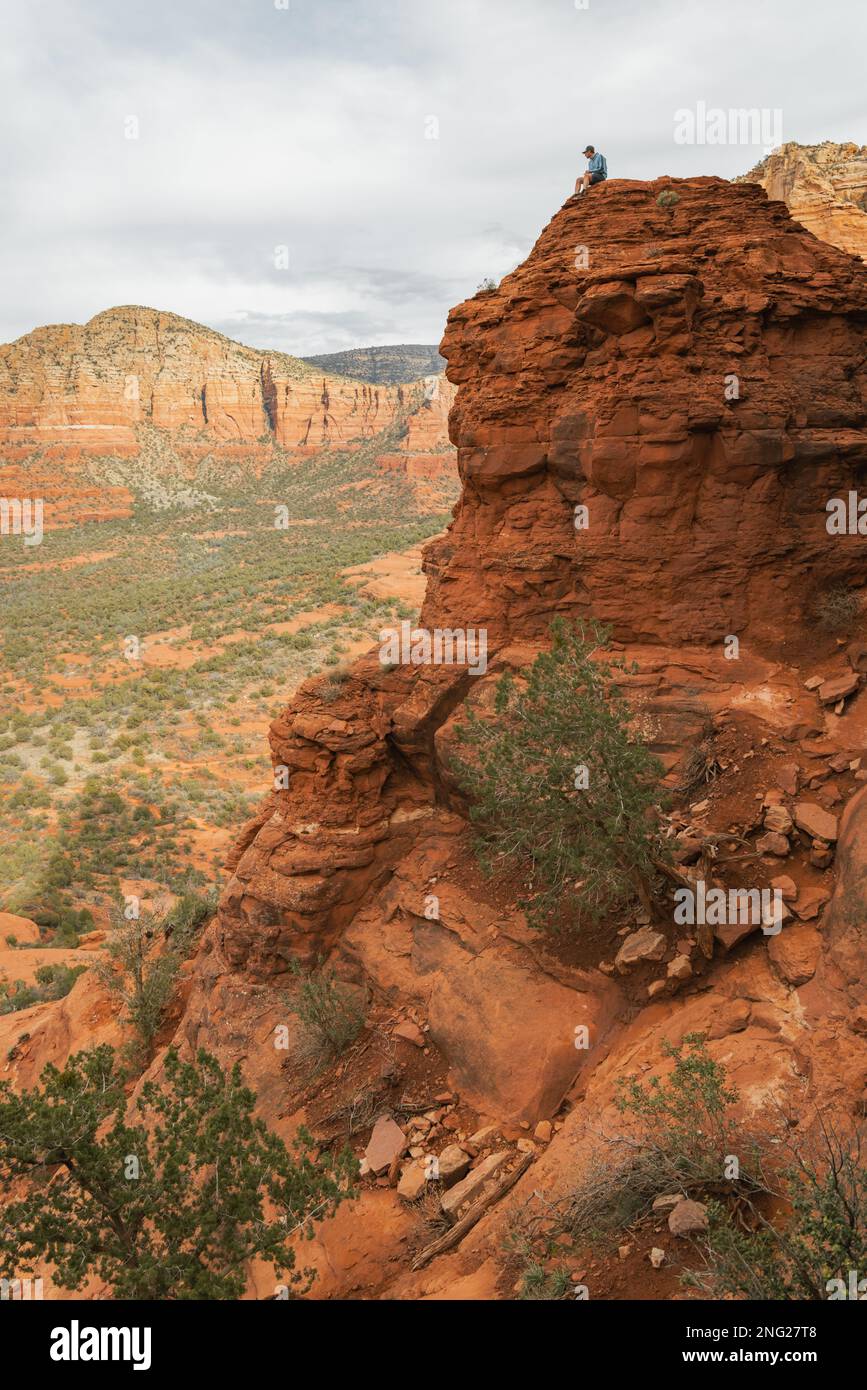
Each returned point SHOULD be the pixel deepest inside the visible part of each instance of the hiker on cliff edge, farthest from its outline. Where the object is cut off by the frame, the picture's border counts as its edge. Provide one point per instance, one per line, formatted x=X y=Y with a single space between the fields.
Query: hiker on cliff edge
x=597 y=170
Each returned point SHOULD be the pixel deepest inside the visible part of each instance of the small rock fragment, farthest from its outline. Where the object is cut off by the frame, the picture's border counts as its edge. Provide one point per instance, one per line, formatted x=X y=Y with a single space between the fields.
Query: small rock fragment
x=452 y=1165
x=688 y=1218
x=409 y=1032
x=779 y=820
x=387 y=1142
x=643 y=945
x=680 y=968
x=773 y=843
x=412 y=1182
x=786 y=886
x=667 y=1201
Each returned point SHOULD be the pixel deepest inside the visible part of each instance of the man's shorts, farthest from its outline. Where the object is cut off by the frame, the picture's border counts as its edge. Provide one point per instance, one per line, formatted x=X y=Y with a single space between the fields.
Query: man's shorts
x=597 y=178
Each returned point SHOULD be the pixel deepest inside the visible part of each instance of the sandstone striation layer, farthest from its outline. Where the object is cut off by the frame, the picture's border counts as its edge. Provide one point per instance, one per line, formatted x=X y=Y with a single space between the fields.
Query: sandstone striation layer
x=138 y=383
x=92 y=384
x=824 y=187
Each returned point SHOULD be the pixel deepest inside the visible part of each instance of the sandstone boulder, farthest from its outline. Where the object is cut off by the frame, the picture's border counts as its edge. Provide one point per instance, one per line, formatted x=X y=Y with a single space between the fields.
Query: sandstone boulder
x=509 y=1034
x=795 y=953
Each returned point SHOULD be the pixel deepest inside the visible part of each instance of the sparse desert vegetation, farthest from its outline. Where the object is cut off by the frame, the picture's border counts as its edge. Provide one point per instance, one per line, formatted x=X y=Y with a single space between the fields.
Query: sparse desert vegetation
x=143 y=659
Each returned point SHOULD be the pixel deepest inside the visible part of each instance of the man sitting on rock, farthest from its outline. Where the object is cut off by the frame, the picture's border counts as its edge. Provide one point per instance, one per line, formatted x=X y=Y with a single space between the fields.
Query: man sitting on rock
x=597 y=170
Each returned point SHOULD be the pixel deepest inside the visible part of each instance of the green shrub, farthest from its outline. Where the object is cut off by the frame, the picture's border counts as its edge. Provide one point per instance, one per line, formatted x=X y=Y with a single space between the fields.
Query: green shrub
x=53 y=982
x=331 y=1016
x=686 y=1119
x=788 y=1223
x=561 y=786
x=668 y=198
x=171 y=1205
x=141 y=969
x=808 y=1243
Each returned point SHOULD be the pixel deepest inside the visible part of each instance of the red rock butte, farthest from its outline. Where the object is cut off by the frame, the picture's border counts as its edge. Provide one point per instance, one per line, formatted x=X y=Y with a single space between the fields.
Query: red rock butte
x=700 y=387
x=694 y=375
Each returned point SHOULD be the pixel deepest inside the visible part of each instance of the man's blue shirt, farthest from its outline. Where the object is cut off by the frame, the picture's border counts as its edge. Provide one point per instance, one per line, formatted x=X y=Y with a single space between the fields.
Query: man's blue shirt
x=598 y=165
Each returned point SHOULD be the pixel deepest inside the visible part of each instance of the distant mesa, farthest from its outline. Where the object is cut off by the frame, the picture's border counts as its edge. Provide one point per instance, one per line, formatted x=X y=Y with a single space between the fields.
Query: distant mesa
x=390 y=366
x=137 y=396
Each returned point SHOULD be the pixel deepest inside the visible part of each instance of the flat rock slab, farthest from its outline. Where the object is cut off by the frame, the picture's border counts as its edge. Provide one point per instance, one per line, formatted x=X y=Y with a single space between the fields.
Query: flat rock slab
x=642 y=945
x=731 y=934
x=387 y=1142
x=409 y=1032
x=816 y=821
x=839 y=687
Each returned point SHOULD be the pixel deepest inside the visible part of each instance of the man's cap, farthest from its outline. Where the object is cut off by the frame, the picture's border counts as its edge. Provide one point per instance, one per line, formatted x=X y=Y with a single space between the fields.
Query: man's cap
x=589 y=150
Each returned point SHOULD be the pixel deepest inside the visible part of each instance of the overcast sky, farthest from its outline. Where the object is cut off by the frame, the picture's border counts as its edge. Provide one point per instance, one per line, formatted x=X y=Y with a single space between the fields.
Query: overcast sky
x=307 y=126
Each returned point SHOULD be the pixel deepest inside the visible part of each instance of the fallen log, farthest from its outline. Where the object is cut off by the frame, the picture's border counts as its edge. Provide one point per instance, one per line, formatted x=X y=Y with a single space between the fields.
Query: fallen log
x=466 y=1223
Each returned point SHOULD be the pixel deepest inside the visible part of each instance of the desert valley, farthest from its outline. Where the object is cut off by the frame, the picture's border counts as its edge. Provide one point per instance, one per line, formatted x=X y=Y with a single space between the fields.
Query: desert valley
x=647 y=425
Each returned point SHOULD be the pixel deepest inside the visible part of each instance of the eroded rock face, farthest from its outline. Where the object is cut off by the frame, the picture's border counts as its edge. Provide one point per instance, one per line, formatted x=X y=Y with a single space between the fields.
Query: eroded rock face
x=824 y=187
x=697 y=384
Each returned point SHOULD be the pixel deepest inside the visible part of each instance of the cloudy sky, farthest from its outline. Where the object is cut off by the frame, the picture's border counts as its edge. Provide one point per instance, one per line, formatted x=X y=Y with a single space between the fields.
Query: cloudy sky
x=402 y=150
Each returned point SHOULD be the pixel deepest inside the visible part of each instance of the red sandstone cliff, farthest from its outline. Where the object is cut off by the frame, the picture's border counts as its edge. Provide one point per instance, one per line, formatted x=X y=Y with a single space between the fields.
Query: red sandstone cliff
x=602 y=387
x=606 y=386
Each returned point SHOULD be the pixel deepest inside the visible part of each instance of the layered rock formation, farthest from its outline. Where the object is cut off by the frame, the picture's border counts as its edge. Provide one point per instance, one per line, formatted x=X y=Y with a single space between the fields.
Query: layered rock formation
x=423 y=453
x=698 y=386
x=824 y=187
x=653 y=411
x=92 y=384
x=135 y=382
